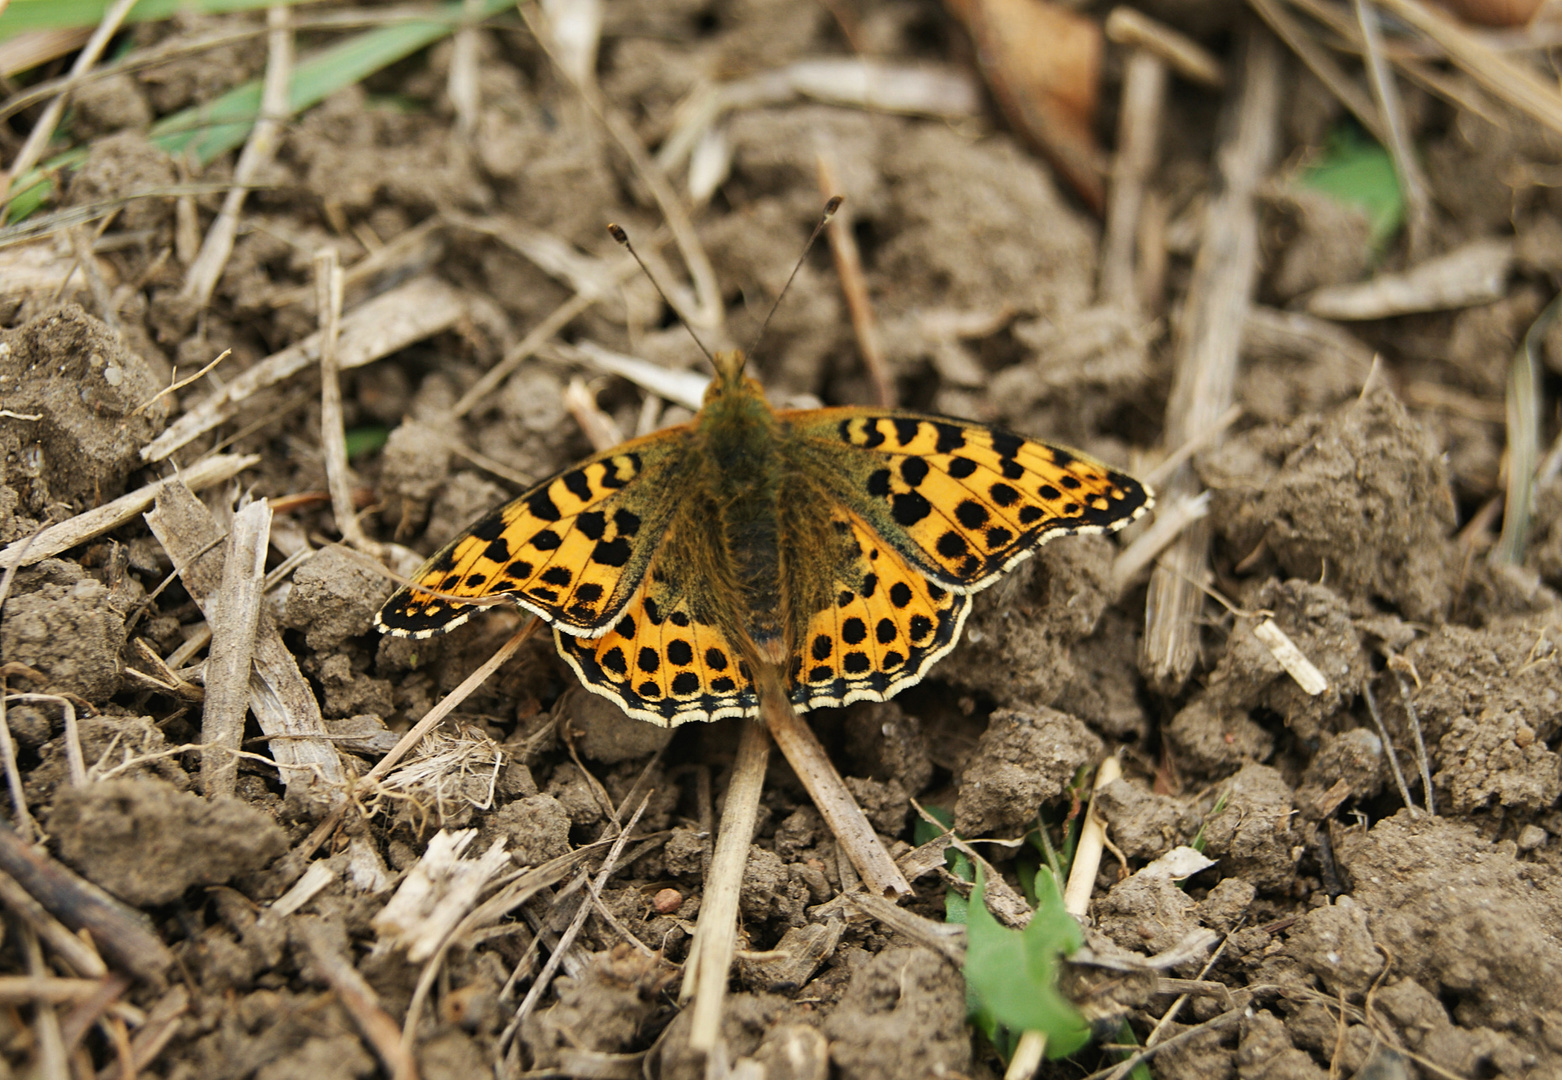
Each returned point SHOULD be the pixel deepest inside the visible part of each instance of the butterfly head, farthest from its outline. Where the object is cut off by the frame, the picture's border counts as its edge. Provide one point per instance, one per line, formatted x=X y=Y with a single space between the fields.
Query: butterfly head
x=729 y=373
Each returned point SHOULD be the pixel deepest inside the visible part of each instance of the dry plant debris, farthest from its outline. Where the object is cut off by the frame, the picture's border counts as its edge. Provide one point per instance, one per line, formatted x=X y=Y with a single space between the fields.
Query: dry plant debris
x=1341 y=382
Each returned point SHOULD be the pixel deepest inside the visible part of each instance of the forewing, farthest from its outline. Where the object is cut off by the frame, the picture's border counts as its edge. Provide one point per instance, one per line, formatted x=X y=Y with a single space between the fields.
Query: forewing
x=572 y=550
x=962 y=501
x=888 y=623
x=661 y=663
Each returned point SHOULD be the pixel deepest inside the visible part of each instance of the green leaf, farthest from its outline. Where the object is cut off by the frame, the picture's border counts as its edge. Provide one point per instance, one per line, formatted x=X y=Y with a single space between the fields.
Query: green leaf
x=925 y=830
x=1358 y=172
x=1011 y=975
x=956 y=908
x=1126 y=1036
x=361 y=440
x=23 y=15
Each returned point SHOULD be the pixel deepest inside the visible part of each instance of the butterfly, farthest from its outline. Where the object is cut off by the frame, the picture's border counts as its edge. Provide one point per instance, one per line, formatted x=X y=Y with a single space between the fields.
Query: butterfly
x=832 y=552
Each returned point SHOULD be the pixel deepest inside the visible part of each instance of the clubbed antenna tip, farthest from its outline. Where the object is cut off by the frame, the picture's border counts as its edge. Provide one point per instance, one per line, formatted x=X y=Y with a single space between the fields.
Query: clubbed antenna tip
x=617 y=233
x=829 y=211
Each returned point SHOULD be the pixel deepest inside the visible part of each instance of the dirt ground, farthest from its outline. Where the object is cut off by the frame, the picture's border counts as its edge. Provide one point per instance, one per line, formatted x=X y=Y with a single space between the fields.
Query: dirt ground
x=1354 y=503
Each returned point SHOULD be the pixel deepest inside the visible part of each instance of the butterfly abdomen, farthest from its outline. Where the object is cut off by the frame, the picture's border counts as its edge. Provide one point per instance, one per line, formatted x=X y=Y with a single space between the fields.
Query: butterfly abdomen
x=739 y=436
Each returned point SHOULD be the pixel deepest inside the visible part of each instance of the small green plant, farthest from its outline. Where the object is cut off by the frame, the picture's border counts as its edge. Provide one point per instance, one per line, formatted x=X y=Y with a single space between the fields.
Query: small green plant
x=1215 y=811
x=1356 y=171
x=1011 y=975
x=362 y=440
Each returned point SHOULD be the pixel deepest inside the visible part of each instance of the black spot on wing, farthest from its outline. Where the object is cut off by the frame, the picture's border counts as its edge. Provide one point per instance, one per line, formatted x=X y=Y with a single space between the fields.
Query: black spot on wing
x=613 y=552
x=578 y=485
x=909 y=507
x=541 y=506
x=950 y=438
x=490 y=527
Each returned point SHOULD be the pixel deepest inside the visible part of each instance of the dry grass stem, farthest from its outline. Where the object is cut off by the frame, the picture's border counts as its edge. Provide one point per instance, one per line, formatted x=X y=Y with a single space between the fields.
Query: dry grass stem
x=1423 y=762
x=74 y=952
x=234 y=618
x=13 y=776
x=281 y=699
x=1525 y=405
x=942 y=91
x=484 y=462
x=359 y=999
x=1184 y=453
x=1138 y=133
x=835 y=803
x=715 y=934
x=1207 y=347
x=87 y=261
x=1513 y=82
x=593 y=886
x=48 y=1039
x=333 y=430
x=1135 y=30
x=180 y=384
x=1322 y=64
x=75 y=764
x=686 y=388
x=408 y=253
x=1287 y=655
x=1032 y=1047
x=1471 y=274
x=600 y=429
x=1453 y=88
x=1298 y=335
x=22 y=989
x=259 y=150
x=1092 y=840
x=461 y=85
x=947 y=939
x=1412 y=181
x=1388 y=745
x=316 y=877
x=122 y=934
x=34 y=48
x=43 y=131
x=437 y=893
x=389 y=322
x=1172 y=516
x=854 y=283
x=704 y=309
x=448 y=703
x=162 y=1024
x=1029 y=1052
x=494 y=377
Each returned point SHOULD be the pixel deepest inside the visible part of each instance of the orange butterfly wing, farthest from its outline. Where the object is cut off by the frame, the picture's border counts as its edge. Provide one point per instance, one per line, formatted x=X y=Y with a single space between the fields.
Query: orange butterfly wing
x=937 y=509
x=572 y=550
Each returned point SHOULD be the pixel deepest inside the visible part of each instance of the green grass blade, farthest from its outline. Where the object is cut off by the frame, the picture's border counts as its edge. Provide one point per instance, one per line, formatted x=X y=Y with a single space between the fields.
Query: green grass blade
x=21 y=16
x=208 y=131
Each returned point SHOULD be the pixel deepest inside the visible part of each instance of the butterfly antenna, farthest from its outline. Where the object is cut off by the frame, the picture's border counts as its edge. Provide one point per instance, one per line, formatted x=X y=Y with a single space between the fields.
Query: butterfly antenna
x=618 y=233
x=829 y=211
